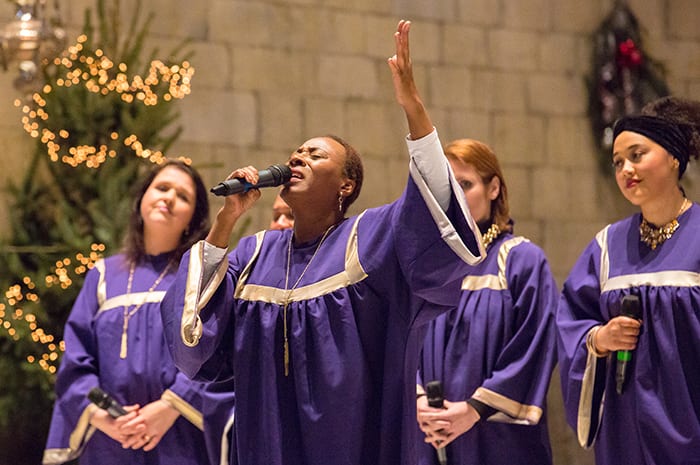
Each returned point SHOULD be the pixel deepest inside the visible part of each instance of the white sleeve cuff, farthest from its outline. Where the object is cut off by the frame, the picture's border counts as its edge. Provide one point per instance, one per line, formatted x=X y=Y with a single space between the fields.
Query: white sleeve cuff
x=212 y=256
x=433 y=169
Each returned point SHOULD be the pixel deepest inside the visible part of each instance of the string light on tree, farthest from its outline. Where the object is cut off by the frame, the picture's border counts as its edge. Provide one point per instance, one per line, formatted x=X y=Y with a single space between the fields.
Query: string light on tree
x=20 y=321
x=101 y=77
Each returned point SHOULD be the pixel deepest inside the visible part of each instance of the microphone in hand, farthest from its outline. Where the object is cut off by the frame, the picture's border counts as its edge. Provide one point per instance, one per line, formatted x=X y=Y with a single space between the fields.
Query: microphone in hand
x=631 y=309
x=106 y=402
x=433 y=391
x=273 y=176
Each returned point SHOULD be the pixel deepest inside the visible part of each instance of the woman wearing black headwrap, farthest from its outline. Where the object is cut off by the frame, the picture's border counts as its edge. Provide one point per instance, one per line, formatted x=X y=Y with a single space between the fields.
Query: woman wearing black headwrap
x=631 y=384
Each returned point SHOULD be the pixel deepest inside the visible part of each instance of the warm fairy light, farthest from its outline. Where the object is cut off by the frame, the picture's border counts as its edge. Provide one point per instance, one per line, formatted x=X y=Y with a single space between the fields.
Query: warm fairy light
x=101 y=76
x=22 y=321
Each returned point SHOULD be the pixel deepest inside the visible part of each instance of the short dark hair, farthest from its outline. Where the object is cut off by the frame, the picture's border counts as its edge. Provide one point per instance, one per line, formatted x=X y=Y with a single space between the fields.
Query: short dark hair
x=133 y=246
x=684 y=113
x=352 y=169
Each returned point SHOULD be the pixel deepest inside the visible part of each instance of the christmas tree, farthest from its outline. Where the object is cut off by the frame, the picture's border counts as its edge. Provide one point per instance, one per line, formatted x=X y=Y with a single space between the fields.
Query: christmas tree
x=103 y=116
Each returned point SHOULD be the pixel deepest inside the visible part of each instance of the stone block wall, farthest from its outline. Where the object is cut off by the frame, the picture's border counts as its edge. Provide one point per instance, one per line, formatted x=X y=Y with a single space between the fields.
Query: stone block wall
x=273 y=73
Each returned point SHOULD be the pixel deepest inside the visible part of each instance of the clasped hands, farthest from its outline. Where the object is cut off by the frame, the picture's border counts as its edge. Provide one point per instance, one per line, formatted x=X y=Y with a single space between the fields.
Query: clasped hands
x=442 y=426
x=141 y=428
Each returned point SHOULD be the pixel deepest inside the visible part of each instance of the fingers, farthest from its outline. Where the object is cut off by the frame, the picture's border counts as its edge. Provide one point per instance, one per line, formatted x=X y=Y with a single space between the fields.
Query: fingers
x=620 y=333
x=401 y=58
x=140 y=441
x=402 y=48
x=249 y=173
x=134 y=425
x=151 y=443
x=401 y=44
x=433 y=422
x=439 y=439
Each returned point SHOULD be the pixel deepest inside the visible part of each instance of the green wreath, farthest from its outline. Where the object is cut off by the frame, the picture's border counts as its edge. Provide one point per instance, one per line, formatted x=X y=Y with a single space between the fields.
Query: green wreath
x=624 y=78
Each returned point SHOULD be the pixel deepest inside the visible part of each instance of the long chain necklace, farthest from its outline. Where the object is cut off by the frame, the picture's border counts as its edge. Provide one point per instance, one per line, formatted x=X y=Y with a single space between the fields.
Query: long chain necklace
x=289 y=291
x=654 y=237
x=129 y=313
x=490 y=234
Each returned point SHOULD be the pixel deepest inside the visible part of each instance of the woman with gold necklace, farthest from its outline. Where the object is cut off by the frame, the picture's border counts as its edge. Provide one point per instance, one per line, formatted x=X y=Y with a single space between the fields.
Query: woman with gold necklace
x=495 y=352
x=114 y=340
x=628 y=317
x=313 y=322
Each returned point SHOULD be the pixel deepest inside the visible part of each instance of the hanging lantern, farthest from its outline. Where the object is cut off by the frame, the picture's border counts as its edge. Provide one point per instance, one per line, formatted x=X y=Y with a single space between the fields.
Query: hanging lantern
x=28 y=39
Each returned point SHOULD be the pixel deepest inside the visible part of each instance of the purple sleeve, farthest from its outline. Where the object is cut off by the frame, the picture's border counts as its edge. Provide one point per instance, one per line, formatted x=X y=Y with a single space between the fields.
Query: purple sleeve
x=209 y=359
x=578 y=312
x=524 y=366
x=78 y=372
x=188 y=390
x=406 y=230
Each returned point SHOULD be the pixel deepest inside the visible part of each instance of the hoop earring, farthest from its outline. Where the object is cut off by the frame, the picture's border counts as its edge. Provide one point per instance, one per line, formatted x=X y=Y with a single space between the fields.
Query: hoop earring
x=340 y=202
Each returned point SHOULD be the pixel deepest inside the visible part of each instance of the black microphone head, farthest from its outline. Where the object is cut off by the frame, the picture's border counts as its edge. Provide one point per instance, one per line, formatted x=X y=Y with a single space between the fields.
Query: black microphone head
x=272 y=176
x=631 y=307
x=280 y=173
x=433 y=391
x=98 y=397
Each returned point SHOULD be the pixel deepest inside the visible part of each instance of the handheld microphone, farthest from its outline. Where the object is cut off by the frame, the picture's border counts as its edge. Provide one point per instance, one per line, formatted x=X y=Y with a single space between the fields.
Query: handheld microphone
x=630 y=308
x=273 y=176
x=104 y=401
x=433 y=391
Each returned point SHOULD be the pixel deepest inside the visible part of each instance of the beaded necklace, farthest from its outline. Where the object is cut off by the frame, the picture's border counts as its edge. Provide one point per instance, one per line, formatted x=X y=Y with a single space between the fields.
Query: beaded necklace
x=653 y=236
x=490 y=234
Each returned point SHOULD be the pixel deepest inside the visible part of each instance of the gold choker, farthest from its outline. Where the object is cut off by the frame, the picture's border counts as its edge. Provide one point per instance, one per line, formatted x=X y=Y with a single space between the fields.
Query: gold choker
x=654 y=237
x=490 y=234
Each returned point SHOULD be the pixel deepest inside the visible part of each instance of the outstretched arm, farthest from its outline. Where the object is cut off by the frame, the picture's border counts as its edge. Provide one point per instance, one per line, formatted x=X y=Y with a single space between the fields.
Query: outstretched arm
x=419 y=123
x=428 y=166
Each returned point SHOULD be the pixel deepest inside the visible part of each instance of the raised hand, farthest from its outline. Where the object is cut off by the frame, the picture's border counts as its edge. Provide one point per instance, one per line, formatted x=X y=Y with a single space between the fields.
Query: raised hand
x=405 y=88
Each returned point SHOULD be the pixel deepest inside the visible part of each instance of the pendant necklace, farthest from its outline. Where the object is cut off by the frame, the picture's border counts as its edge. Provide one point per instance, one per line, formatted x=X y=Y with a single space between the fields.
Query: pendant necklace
x=289 y=291
x=129 y=313
x=653 y=236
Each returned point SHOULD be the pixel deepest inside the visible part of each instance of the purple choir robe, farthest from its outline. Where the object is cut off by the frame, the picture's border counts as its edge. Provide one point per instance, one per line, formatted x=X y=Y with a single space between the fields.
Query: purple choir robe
x=92 y=358
x=498 y=347
x=348 y=320
x=656 y=419
x=218 y=411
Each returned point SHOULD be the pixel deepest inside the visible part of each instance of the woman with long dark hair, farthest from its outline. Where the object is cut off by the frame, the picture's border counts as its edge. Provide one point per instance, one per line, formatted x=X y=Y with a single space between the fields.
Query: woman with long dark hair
x=114 y=340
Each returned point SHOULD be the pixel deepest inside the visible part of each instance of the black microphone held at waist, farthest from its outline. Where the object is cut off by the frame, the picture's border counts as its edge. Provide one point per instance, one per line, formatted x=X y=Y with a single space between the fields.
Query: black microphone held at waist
x=273 y=176
x=631 y=309
x=104 y=401
x=433 y=391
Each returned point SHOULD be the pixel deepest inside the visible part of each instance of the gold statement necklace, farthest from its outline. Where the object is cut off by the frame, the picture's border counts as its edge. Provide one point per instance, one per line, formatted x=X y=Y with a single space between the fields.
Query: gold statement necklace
x=130 y=311
x=653 y=236
x=288 y=291
x=490 y=234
